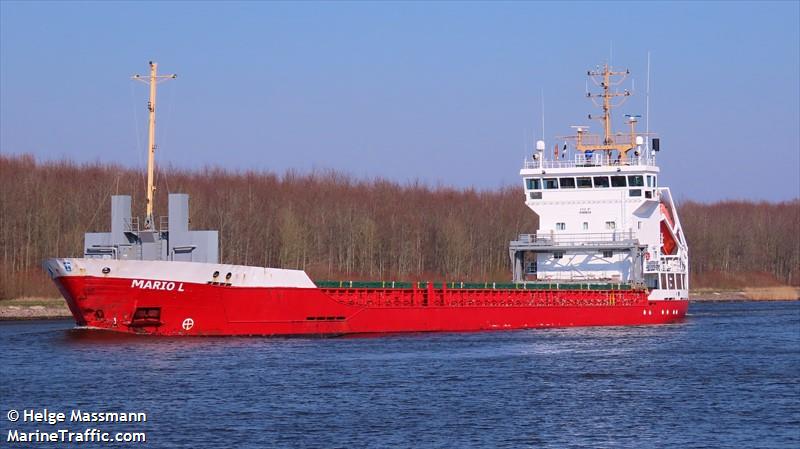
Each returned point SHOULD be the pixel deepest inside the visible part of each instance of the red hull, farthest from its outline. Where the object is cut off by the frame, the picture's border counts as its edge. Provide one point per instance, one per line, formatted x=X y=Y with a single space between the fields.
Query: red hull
x=202 y=309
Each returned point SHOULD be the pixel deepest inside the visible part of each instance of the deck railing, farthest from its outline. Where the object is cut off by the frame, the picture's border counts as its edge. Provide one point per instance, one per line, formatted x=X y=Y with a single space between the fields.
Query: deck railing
x=595 y=160
x=587 y=238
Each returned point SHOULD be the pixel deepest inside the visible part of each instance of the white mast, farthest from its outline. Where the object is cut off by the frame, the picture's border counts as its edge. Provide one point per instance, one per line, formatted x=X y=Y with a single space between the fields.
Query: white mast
x=542 y=98
x=152 y=80
x=647 y=105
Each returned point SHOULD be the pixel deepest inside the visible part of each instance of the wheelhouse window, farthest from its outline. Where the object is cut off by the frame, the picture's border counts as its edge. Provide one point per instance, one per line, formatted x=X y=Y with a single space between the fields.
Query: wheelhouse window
x=566 y=183
x=649 y=181
x=636 y=181
x=550 y=183
x=618 y=181
x=533 y=183
x=601 y=181
x=584 y=183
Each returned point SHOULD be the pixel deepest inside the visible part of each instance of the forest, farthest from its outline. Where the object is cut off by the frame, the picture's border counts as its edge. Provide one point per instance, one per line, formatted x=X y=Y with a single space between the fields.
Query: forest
x=337 y=227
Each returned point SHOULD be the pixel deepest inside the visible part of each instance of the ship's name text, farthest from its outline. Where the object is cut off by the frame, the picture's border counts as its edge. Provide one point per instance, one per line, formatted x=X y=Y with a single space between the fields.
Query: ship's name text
x=157 y=285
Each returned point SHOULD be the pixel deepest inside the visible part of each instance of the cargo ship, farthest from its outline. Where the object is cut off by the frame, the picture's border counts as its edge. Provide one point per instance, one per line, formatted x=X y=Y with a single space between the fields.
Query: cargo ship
x=609 y=251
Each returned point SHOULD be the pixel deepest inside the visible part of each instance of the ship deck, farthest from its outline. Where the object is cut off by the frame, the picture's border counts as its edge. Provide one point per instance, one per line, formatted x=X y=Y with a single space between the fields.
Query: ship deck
x=596 y=286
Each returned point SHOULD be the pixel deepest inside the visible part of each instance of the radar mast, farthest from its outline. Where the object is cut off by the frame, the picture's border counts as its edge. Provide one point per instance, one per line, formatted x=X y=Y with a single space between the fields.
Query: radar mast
x=606 y=77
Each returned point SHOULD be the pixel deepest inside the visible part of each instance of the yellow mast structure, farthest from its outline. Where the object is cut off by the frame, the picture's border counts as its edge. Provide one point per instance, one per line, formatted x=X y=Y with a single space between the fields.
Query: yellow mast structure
x=605 y=79
x=152 y=80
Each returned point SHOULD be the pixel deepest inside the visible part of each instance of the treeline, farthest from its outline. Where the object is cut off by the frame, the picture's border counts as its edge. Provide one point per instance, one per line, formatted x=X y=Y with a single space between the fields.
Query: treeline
x=743 y=244
x=327 y=223
x=337 y=227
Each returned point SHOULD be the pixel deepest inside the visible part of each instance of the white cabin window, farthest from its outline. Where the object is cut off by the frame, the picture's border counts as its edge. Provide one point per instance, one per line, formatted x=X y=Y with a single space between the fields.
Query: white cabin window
x=636 y=181
x=649 y=181
x=618 y=181
x=608 y=254
x=561 y=226
x=558 y=254
x=611 y=225
x=585 y=183
x=550 y=183
x=640 y=225
x=585 y=225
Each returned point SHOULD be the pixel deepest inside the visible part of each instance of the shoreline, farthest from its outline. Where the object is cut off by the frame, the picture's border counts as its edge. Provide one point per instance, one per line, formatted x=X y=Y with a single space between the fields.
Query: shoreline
x=22 y=309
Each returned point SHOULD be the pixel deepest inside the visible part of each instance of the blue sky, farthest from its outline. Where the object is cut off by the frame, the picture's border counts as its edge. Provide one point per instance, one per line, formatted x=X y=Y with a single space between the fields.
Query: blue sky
x=447 y=93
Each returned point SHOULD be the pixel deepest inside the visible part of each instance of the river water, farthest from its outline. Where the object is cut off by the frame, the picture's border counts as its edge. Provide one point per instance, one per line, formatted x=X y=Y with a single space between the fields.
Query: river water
x=727 y=377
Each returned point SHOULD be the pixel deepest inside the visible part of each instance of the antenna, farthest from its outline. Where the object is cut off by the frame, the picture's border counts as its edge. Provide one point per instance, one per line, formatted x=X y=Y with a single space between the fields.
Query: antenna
x=542 y=98
x=610 y=52
x=647 y=104
x=152 y=80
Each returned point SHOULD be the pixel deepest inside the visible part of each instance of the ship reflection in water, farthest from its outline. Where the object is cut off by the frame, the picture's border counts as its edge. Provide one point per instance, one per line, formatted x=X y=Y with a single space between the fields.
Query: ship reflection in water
x=727 y=376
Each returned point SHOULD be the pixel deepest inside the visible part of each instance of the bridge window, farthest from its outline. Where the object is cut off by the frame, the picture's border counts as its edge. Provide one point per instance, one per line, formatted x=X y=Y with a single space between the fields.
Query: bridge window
x=601 y=181
x=649 y=181
x=636 y=181
x=533 y=183
x=561 y=226
x=608 y=254
x=655 y=181
x=585 y=183
x=558 y=254
x=618 y=181
x=567 y=183
x=550 y=183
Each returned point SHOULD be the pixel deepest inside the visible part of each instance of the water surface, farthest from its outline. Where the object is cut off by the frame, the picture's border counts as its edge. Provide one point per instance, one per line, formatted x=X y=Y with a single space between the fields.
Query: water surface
x=729 y=376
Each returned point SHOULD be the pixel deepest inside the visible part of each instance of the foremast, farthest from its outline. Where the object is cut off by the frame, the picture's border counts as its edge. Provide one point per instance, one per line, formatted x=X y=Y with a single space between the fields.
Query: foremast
x=171 y=240
x=153 y=81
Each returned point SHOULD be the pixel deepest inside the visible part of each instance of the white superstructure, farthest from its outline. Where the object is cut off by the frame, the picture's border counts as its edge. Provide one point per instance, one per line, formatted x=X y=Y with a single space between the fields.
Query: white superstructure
x=603 y=217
